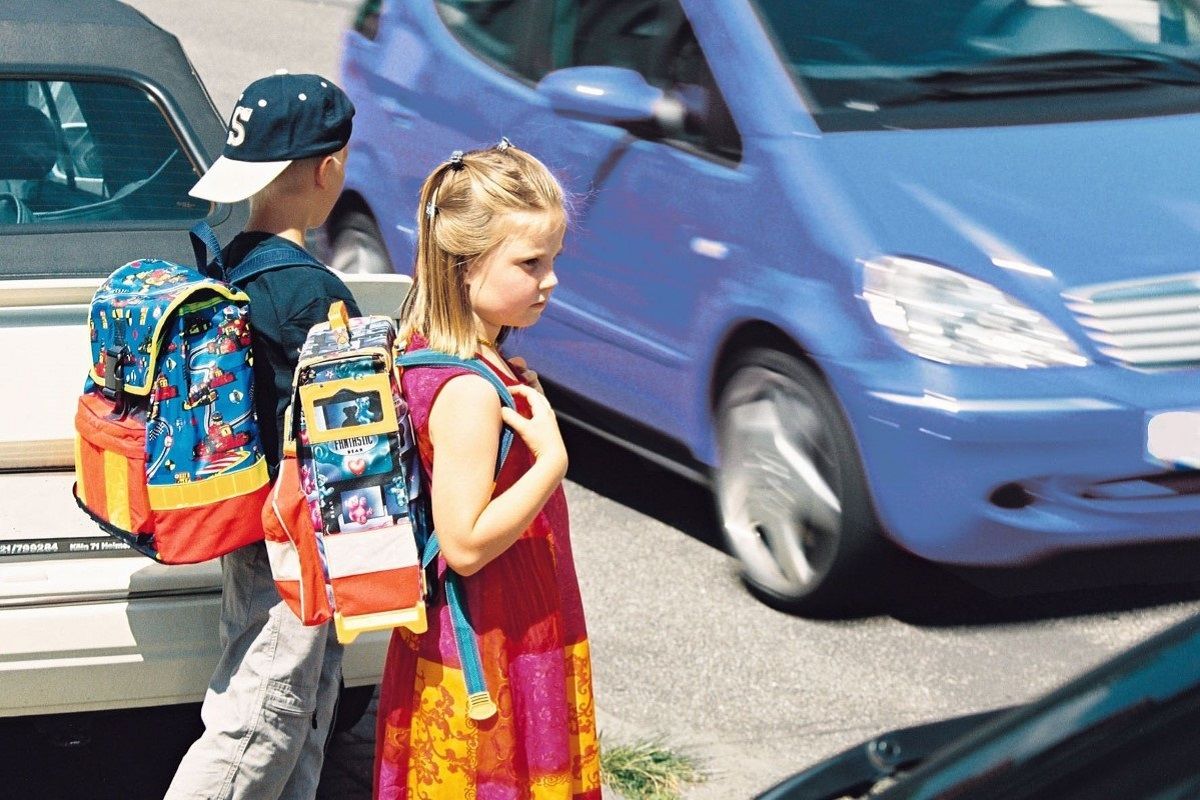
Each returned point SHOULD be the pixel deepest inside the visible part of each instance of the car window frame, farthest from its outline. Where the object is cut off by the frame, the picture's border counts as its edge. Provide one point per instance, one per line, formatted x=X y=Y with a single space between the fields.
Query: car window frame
x=684 y=25
x=172 y=114
x=1106 y=694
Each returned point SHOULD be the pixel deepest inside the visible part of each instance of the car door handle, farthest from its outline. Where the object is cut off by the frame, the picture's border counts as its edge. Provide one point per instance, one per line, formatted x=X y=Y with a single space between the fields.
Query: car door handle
x=709 y=248
x=401 y=115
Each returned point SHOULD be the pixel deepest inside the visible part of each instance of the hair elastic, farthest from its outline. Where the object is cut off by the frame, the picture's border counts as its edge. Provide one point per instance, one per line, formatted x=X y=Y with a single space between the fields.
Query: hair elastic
x=503 y=144
x=455 y=162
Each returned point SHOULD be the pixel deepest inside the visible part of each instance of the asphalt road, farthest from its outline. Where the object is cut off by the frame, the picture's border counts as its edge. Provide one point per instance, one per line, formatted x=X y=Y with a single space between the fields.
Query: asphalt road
x=681 y=650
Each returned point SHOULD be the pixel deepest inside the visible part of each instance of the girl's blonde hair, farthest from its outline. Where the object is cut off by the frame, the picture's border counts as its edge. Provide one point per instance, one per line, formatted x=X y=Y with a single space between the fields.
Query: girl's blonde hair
x=464 y=203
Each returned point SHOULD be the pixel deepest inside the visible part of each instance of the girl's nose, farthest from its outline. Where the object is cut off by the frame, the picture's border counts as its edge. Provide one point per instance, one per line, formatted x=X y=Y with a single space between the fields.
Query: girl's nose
x=549 y=282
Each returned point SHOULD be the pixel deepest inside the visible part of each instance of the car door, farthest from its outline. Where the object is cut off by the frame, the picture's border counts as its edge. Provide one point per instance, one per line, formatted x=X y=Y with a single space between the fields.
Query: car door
x=656 y=220
x=654 y=212
x=444 y=75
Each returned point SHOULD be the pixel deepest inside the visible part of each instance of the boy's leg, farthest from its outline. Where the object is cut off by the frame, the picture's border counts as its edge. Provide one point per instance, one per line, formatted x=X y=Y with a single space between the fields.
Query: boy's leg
x=266 y=695
x=302 y=785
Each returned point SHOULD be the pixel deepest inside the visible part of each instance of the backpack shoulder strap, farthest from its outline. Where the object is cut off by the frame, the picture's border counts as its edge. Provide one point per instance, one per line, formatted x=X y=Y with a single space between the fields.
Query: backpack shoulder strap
x=265 y=259
x=204 y=241
x=432 y=358
x=480 y=705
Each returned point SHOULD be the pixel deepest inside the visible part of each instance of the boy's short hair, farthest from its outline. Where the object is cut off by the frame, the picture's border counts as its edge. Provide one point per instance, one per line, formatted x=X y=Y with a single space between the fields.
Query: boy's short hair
x=278 y=119
x=286 y=184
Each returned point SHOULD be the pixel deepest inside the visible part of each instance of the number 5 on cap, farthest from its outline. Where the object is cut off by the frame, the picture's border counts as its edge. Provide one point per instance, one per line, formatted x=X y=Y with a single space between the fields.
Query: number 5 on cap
x=237 y=130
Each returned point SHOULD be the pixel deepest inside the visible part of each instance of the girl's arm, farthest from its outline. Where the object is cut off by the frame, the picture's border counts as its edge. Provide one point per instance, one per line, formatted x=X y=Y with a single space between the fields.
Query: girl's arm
x=464 y=427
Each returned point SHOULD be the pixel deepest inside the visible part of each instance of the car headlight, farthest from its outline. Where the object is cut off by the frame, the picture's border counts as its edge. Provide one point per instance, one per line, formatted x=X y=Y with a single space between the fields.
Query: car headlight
x=936 y=313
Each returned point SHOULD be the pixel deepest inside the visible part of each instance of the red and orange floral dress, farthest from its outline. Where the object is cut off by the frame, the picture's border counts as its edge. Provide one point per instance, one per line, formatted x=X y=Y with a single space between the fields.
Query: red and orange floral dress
x=526 y=610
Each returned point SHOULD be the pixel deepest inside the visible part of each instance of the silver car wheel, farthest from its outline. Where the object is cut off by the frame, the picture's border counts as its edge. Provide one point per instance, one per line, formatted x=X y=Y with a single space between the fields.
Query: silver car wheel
x=356 y=247
x=778 y=486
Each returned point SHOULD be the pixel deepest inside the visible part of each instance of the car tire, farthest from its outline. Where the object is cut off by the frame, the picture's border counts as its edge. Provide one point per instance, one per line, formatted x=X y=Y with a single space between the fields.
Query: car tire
x=356 y=244
x=352 y=705
x=790 y=489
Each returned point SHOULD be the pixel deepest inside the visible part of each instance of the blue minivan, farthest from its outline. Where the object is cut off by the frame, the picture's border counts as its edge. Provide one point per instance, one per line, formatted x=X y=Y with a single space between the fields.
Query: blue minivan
x=885 y=273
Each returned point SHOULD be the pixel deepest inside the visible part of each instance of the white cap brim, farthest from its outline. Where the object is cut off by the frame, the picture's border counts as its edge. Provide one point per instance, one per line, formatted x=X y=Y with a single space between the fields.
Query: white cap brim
x=228 y=181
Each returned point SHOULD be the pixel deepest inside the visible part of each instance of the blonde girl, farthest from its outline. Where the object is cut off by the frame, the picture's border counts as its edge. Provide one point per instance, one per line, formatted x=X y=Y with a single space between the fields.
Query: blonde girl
x=491 y=225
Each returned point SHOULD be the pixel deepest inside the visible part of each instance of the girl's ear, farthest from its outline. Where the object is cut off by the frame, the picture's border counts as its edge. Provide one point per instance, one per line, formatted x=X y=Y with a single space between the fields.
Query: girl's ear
x=471 y=270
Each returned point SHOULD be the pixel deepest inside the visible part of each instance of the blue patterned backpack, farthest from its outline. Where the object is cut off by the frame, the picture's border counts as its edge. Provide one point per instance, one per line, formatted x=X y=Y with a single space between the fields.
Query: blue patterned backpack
x=168 y=457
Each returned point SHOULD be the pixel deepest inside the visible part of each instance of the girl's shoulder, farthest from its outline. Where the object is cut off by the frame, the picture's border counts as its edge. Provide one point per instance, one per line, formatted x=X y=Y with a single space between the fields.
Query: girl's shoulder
x=422 y=385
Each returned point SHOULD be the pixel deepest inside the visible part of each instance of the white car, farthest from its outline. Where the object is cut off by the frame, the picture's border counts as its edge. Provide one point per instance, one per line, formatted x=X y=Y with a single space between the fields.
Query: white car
x=104 y=126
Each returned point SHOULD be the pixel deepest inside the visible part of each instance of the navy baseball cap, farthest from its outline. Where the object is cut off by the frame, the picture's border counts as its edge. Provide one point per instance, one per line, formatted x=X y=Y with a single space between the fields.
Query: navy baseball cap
x=277 y=120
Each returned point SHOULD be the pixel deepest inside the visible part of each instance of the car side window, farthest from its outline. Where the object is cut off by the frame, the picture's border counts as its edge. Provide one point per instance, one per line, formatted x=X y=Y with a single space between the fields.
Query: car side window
x=618 y=33
x=513 y=34
x=81 y=152
x=652 y=37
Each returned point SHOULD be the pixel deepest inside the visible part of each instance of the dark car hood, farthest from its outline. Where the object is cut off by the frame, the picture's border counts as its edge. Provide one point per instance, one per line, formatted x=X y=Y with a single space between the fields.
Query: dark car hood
x=1090 y=202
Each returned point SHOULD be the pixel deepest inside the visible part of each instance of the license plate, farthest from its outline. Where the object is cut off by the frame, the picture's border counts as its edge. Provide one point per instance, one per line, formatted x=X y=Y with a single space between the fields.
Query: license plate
x=1173 y=438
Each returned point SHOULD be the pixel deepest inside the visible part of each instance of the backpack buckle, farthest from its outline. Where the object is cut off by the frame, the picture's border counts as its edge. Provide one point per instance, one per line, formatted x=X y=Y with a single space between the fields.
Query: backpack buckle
x=114 y=366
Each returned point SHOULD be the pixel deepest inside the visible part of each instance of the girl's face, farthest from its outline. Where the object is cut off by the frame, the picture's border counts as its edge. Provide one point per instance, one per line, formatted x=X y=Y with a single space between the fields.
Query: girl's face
x=511 y=285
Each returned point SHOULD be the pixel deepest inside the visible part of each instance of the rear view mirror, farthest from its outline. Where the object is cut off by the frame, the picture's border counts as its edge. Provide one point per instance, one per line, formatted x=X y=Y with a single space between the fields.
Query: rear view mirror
x=611 y=95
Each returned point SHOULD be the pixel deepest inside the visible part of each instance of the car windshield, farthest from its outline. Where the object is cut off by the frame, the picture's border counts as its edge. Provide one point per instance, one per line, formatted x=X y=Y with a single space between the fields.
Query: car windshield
x=871 y=64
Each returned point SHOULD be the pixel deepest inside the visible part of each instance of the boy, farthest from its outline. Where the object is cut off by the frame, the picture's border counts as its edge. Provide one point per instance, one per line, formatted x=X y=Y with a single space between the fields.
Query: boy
x=270 y=705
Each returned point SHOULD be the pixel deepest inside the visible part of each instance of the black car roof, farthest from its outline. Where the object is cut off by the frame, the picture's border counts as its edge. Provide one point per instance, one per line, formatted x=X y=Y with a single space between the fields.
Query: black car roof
x=89 y=35
x=66 y=12
x=79 y=38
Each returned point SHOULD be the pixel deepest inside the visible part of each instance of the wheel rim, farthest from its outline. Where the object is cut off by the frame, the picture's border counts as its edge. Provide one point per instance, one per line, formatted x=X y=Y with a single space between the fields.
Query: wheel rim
x=778 y=488
x=357 y=251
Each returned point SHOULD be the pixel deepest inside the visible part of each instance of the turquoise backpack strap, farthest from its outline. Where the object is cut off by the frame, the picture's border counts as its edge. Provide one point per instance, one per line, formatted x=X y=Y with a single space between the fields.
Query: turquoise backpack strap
x=480 y=705
x=432 y=358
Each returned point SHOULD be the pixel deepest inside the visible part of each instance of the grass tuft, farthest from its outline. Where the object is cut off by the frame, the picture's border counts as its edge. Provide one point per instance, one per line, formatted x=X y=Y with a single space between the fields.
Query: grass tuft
x=648 y=770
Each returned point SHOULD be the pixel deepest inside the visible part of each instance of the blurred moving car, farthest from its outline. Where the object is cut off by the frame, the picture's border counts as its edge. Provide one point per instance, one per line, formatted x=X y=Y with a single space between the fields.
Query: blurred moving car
x=1123 y=730
x=104 y=126
x=883 y=273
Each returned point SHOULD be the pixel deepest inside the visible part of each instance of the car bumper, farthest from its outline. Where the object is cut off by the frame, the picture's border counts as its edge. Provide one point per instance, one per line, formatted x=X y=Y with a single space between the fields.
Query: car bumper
x=997 y=467
x=84 y=627
x=123 y=654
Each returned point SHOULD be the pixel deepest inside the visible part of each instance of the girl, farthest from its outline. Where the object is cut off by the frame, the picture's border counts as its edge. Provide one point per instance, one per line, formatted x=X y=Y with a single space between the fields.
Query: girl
x=492 y=223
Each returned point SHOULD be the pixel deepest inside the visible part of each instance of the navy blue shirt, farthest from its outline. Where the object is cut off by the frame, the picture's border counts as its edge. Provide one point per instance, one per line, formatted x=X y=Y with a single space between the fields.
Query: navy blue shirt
x=284 y=303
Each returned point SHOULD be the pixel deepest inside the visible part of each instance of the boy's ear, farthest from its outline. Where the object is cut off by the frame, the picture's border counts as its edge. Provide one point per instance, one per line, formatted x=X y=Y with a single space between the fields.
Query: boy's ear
x=322 y=171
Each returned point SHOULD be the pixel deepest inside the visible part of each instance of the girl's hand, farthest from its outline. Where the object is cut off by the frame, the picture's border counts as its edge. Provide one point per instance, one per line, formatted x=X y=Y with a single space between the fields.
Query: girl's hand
x=540 y=430
x=525 y=373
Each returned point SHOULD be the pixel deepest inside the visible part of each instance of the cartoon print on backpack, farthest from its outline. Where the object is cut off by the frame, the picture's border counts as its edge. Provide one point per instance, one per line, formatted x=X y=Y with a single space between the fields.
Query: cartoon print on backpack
x=168 y=445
